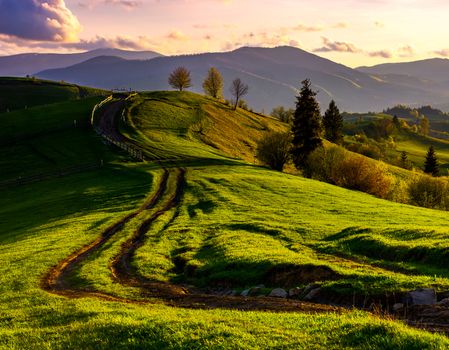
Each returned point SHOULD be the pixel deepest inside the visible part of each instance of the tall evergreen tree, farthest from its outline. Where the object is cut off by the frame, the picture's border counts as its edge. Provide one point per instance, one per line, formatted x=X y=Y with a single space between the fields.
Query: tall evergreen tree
x=396 y=122
x=333 y=124
x=405 y=163
x=431 y=165
x=306 y=127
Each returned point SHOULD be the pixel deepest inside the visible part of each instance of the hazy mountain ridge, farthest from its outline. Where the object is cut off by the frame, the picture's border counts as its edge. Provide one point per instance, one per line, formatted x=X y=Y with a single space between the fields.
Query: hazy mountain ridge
x=31 y=63
x=273 y=75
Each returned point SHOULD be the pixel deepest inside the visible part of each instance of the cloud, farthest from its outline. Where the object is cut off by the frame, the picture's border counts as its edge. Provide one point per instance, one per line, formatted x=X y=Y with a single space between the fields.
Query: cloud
x=118 y=42
x=126 y=4
x=10 y=45
x=379 y=24
x=48 y=20
x=442 y=53
x=177 y=35
x=337 y=46
x=309 y=29
x=406 y=51
x=340 y=25
x=380 y=53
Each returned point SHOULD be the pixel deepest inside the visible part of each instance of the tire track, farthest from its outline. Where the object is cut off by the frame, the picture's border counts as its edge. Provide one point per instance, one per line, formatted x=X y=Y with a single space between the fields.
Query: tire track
x=57 y=279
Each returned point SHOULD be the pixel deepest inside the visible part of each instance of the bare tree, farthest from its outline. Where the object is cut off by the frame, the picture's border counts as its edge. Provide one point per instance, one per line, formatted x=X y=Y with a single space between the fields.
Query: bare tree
x=213 y=84
x=238 y=90
x=180 y=79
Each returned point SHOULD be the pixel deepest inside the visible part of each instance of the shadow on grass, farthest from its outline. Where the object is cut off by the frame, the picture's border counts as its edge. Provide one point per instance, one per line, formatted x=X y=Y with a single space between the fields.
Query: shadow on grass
x=112 y=189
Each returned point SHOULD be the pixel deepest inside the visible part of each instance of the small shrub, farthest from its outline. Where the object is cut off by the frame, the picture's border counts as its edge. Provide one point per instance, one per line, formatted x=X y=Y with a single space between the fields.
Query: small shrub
x=274 y=149
x=399 y=191
x=341 y=168
x=429 y=192
x=243 y=105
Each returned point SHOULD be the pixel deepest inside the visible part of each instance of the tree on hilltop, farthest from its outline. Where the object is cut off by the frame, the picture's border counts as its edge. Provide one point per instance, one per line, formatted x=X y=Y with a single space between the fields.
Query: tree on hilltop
x=306 y=127
x=213 y=84
x=238 y=90
x=333 y=124
x=180 y=79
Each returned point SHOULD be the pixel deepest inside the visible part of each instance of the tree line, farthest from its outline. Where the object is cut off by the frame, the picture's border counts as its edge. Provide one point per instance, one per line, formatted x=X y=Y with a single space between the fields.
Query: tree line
x=308 y=128
x=213 y=84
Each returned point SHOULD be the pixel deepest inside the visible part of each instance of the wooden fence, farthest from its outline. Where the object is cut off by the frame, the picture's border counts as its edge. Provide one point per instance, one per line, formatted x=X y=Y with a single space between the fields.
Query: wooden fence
x=128 y=147
x=50 y=175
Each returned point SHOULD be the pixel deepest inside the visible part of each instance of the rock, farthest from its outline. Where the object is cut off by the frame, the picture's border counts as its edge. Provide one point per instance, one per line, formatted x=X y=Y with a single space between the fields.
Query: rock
x=444 y=302
x=422 y=296
x=233 y=293
x=255 y=291
x=245 y=293
x=312 y=294
x=397 y=307
x=295 y=292
x=309 y=288
x=278 y=293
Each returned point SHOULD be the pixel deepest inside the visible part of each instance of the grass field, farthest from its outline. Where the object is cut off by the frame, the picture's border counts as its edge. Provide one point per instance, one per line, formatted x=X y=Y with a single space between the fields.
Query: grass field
x=44 y=138
x=21 y=93
x=193 y=126
x=236 y=224
x=417 y=146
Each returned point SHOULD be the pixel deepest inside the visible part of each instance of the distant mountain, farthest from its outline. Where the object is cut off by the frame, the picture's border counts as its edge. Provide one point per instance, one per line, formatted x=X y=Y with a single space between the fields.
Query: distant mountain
x=30 y=63
x=434 y=69
x=273 y=74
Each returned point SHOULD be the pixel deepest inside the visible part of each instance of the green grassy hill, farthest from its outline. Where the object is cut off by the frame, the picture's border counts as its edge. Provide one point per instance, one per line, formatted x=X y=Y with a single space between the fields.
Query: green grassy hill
x=235 y=225
x=20 y=93
x=44 y=138
x=417 y=146
x=189 y=125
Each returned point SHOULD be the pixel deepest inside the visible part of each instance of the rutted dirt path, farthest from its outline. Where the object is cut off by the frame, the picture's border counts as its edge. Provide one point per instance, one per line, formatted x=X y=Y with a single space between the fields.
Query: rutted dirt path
x=58 y=280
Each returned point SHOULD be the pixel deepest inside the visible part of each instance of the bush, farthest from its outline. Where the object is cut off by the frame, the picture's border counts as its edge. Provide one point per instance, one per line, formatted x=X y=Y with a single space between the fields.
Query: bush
x=429 y=192
x=274 y=149
x=341 y=168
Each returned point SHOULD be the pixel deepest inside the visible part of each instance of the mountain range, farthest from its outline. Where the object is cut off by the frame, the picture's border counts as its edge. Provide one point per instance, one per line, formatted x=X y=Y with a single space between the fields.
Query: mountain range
x=273 y=75
x=31 y=63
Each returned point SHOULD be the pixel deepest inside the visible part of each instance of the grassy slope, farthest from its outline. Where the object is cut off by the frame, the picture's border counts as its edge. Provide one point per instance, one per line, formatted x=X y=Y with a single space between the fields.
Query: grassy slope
x=44 y=222
x=417 y=145
x=45 y=138
x=174 y=125
x=19 y=93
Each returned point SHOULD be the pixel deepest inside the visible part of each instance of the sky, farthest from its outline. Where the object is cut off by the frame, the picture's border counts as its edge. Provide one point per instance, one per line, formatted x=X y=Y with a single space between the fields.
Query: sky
x=351 y=32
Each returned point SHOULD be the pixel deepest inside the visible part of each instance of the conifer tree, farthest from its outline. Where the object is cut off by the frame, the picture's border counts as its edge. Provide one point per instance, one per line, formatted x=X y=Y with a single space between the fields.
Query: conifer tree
x=431 y=165
x=396 y=122
x=306 y=127
x=333 y=124
x=405 y=163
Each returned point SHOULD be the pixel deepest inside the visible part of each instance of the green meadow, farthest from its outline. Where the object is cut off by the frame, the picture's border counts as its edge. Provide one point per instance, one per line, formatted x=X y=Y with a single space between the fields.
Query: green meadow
x=236 y=224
